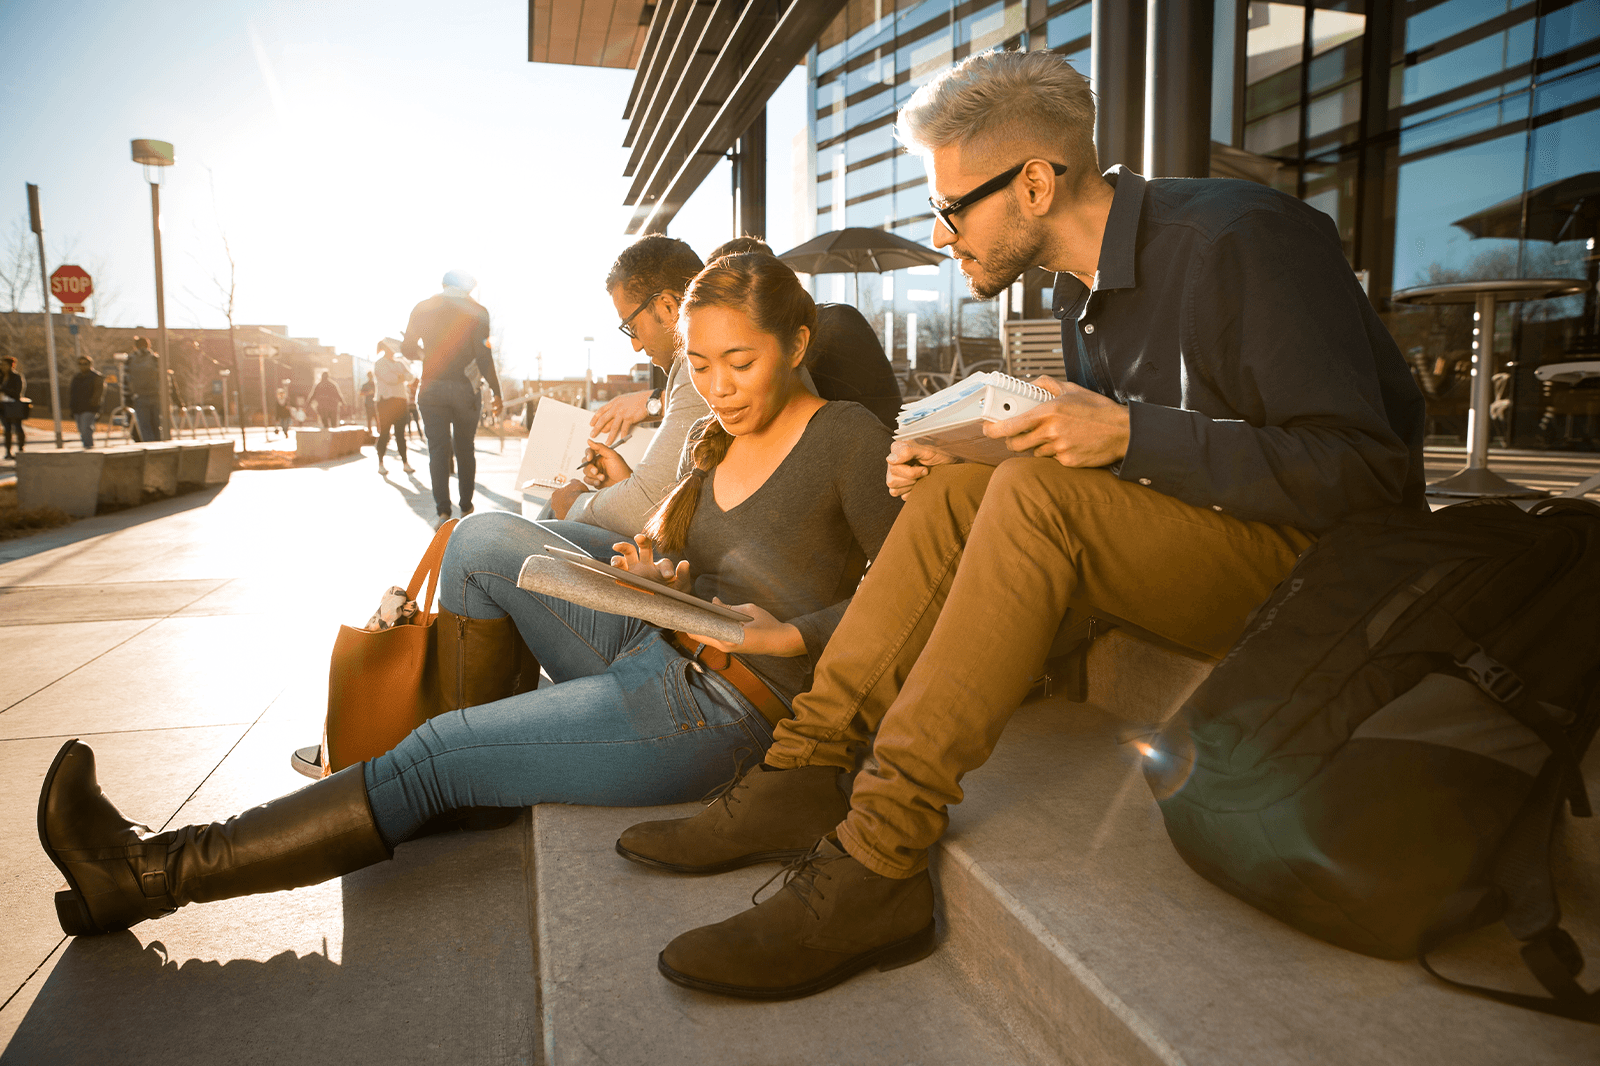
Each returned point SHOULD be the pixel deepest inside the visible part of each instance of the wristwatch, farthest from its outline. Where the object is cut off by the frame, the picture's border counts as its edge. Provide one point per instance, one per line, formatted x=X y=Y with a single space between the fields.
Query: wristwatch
x=653 y=405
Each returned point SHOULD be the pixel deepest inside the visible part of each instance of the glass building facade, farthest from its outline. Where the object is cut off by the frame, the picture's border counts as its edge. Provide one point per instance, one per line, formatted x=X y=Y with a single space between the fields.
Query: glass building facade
x=1448 y=140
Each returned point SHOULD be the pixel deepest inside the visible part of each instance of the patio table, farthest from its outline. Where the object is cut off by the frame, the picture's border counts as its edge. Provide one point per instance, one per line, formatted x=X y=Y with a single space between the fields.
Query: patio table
x=1570 y=373
x=1476 y=479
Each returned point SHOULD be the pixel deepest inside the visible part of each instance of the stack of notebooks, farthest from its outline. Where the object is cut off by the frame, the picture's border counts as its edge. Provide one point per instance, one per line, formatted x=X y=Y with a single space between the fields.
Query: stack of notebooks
x=952 y=419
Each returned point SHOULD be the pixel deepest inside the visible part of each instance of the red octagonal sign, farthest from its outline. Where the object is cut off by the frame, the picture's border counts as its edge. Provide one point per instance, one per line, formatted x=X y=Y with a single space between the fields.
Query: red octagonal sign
x=71 y=285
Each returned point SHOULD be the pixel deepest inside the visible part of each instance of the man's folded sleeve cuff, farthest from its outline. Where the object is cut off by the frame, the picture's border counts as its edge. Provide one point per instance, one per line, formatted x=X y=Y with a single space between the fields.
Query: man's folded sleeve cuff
x=1166 y=446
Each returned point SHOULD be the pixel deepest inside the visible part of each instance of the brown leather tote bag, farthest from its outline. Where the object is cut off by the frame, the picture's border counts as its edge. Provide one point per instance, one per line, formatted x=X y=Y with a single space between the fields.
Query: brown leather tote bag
x=383 y=685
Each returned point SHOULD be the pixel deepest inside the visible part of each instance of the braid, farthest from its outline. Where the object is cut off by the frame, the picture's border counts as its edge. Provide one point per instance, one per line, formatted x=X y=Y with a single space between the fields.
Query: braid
x=765 y=289
x=668 y=525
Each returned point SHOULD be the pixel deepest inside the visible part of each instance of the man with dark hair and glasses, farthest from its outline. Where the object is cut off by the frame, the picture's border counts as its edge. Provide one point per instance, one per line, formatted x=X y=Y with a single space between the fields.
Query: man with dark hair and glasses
x=646 y=284
x=1229 y=394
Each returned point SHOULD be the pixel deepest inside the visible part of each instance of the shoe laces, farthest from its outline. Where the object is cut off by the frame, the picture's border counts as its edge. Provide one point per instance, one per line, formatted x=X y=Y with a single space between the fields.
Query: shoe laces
x=800 y=877
x=724 y=792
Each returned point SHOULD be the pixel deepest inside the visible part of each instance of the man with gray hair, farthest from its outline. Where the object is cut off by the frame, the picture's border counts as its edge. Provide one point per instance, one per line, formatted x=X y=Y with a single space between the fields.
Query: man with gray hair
x=1229 y=394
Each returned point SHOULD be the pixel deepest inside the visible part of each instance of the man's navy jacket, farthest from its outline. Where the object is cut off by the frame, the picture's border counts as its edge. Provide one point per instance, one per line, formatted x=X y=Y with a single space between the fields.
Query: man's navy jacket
x=1258 y=378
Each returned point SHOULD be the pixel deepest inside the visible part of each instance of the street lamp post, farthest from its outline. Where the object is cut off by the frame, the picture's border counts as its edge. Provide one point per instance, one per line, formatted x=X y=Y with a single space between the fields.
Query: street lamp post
x=158 y=154
x=37 y=225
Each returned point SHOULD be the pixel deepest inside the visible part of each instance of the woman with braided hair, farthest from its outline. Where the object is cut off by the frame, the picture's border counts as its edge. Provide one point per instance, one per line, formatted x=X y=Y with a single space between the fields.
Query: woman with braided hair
x=781 y=505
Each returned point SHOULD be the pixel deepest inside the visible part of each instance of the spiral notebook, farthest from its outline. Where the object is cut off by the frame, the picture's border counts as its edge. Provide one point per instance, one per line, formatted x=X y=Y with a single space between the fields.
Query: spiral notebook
x=953 y=418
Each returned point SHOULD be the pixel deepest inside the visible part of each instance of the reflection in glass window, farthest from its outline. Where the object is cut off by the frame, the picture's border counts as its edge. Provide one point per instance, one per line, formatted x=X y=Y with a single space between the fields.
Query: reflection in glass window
x=1435 y=191
x=927 y=58
x=1465 y=122
x=1565 y=92
x=1069 y=26
x=879 y=175
x=985 y=29
x=1457 y=67
x=1435 y=23
x=1570 y=26
x=1273 y=40
x=871 y=213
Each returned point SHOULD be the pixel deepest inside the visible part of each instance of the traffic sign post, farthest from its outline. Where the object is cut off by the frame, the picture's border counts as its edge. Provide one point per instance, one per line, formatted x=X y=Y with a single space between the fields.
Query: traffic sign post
x=73 y=286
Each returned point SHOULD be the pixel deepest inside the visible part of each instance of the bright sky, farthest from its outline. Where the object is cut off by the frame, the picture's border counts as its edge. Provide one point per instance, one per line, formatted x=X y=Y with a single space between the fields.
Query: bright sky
x=357 y=149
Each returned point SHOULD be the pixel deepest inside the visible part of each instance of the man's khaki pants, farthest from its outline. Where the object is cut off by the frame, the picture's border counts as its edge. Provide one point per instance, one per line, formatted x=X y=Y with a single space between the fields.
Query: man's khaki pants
x=953 y=621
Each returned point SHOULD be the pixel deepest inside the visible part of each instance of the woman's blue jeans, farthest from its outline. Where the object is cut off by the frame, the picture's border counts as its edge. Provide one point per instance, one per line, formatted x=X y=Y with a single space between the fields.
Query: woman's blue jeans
x=630 y=722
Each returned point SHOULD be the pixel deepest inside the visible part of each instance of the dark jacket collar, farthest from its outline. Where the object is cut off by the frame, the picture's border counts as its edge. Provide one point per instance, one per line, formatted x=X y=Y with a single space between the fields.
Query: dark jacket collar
x=1118 y=245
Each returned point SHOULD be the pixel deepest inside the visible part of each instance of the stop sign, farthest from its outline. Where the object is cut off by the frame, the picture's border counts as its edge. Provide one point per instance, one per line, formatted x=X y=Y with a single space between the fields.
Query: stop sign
x=72 y=286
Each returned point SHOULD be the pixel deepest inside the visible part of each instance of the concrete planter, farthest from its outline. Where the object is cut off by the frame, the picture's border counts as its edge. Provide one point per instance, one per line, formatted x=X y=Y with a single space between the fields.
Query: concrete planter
x=121 y=477
x=219 y=462
x=318 y=445
x=68 y=480
x=160 y=469
x=193 y=459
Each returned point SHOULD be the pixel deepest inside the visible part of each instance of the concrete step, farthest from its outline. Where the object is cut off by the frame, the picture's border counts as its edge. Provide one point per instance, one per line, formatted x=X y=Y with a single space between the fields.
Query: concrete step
x=601 y=921
x=1074 y=918
x=1070 y=931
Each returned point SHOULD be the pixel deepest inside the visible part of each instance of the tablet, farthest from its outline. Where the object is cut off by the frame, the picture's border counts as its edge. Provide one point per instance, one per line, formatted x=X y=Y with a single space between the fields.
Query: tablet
x=654 y=588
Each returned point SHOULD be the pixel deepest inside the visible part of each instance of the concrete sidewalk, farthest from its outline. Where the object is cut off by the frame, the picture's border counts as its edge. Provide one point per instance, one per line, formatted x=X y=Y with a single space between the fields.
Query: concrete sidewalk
x=188 y=642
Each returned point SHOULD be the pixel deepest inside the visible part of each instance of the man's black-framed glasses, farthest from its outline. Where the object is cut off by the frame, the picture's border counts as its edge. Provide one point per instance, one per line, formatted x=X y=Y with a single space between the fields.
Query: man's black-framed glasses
x=945 y=210
x=626 y=326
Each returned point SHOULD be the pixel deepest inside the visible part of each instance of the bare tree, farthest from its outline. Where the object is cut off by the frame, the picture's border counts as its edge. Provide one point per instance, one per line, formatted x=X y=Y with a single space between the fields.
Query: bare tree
x=223 y=280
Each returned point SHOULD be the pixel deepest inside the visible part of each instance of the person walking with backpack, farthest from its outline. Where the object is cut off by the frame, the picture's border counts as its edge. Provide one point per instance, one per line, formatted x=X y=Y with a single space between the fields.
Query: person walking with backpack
x=450 y=333
x=87 y=387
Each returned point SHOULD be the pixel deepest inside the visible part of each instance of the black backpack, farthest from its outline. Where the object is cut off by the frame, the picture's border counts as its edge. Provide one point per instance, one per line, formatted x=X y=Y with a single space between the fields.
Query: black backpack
x=1381 y=759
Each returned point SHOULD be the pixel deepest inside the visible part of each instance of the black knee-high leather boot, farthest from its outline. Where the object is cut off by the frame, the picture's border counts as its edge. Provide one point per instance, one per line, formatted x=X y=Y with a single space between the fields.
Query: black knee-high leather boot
x=120 y=873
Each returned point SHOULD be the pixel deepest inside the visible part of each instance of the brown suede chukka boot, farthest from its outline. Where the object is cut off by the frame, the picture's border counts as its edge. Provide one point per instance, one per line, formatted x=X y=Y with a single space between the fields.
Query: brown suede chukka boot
x=120 y=873
x=831 y=919
x=762 y=815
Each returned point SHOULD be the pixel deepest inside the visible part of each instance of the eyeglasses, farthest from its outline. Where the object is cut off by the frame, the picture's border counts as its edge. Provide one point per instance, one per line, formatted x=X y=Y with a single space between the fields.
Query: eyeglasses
x=626 y=326
x=945 y=210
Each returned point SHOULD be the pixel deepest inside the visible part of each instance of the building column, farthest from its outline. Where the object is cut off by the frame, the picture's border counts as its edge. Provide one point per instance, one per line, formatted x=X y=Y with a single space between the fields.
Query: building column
x=750 y=180
x=1116 y=73
x=1179 y=42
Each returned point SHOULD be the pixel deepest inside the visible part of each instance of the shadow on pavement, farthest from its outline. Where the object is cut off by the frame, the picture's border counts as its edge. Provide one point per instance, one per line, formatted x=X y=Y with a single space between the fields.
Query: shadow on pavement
x=435 y=964
x=101 y=524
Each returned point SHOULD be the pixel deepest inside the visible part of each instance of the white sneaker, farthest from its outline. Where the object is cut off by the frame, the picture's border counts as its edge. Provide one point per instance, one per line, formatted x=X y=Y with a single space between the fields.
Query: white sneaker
x=308 y=760
x=383 y=470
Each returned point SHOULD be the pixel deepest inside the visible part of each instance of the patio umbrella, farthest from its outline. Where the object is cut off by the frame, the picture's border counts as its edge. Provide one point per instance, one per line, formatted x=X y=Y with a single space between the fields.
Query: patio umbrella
x=1565 y=210
x=857 y=249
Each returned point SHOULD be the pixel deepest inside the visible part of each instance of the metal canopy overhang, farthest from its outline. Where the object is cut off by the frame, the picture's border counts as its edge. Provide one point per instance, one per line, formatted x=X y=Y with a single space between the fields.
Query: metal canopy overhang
x=706 y=69
x=711 y=67
x=587 y=33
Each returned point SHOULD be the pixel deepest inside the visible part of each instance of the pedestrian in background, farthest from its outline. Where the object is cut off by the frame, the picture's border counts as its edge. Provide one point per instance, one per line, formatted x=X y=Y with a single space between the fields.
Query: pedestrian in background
x=391 y=379
x=13 y=406
x=327 y=398
x=369 y=402
x=452 y=330
x=88 y=386
x=144 y=382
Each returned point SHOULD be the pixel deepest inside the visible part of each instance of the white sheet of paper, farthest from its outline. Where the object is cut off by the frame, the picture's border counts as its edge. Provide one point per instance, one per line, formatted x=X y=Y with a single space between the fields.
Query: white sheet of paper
x=556 y=443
